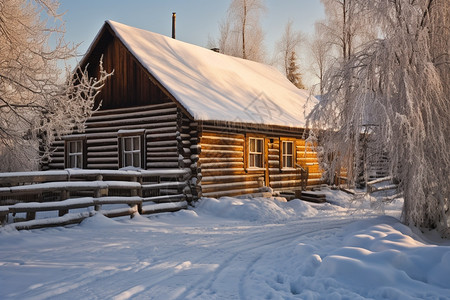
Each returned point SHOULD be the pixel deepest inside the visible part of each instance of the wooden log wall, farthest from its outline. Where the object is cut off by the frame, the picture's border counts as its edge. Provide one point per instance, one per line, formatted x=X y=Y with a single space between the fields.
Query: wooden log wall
x=215 y=157
x=289 y=179
x=221 y=164
x=307 y=158
x=160 y=122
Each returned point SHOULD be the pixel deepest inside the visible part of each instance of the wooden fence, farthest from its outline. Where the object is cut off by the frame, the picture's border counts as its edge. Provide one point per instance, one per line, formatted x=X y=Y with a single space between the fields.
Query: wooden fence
x=380 y=185
x=112 y=193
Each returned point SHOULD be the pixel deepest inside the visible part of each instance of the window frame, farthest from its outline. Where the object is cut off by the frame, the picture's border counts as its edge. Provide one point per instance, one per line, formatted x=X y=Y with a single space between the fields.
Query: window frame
x=260 y=153
x=132 y=135
x=283 y=155
x=80 y=155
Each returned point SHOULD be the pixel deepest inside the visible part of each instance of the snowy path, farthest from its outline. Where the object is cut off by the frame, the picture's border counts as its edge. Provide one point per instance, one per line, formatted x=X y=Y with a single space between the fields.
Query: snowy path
x=236 y=257
x=287 y=251
x=148 y=259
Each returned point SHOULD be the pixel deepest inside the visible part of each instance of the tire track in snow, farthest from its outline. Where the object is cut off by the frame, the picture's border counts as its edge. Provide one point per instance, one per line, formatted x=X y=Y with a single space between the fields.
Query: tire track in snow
x=254 y=246
x=234 y=248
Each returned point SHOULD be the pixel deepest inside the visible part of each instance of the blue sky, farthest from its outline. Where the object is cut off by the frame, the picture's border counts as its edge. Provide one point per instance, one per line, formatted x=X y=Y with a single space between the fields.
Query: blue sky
x=196 y=19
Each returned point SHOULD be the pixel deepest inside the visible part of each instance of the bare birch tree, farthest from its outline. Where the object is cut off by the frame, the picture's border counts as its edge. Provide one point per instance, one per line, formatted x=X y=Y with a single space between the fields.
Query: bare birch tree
x=396 y=90
x=321 y=56
x=35 y=102
x=288 y=43
x=287 y=48
x=241 y=33
x=346 y=26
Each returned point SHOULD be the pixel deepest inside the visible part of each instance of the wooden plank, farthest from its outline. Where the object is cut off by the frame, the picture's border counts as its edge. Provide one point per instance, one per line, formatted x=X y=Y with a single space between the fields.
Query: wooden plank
x=123 y=115
x=28 y=177
x=164 y=207
x=285 y=176
x=93 y=149
x=206 y=153
x=225 y=171
x=231 y=192
x=128 y=126
x=151 y=159
x=162 y=154
x=102 y=160
x=52 y=222
x=286 y=183
x=306 y=154
x=165 y=198
x=119 y=212
x=164 y=185
x=219 y=147
x=162 y=165
x=307 y=160
x=102 y=142
x=206 y=188
x=230 y=178
x=159 y=144
x=313 y=194
x=313 y=199
x=168 y=149
x=133 y=121
x=161 y=136
x=119 y=111
x=219 y=135
x=237 y=141
x=67 y=186
x=225 y=165
x=220 y=160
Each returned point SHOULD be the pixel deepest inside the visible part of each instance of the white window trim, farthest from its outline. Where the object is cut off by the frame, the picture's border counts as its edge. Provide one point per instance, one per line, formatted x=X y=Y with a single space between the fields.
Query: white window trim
x=132 y=151
x=285 y=155
x=77 y=155
x=255 y=153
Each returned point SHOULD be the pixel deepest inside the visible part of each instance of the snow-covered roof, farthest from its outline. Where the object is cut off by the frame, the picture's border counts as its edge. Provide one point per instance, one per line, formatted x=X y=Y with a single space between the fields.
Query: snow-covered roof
x=214 y=86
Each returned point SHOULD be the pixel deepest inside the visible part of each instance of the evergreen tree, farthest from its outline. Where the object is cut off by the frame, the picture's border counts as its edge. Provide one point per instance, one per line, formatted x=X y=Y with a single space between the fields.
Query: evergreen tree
x=293 y=71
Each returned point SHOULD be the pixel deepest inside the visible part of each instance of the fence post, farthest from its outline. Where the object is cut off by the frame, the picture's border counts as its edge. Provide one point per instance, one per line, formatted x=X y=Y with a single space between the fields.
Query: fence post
x=65 y=194
x=136 y=192
x=98 y=192
x=3 y=215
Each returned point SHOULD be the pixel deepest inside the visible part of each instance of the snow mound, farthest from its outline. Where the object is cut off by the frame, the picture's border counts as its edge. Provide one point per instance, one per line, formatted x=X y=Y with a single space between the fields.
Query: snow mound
x=373 y=259
x=387 y=256
x=99 y=221
x=272 y=209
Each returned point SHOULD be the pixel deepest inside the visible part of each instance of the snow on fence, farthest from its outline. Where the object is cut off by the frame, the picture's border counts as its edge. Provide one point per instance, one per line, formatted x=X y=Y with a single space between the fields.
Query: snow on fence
x=112 y=193
x=384 y=184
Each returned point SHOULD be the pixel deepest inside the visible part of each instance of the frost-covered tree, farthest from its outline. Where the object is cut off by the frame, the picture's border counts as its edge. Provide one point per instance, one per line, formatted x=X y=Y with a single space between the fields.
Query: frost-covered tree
x=35 y=103
x=321 y=56
x=346 y=26
x=241 y=33
x=395 y=92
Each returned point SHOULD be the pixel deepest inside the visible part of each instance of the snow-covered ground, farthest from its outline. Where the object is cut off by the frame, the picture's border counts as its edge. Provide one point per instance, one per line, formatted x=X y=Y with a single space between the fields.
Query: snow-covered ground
x=230 y=249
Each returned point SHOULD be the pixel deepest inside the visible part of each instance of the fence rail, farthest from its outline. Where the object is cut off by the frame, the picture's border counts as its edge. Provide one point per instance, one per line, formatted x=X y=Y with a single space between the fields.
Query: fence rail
x=109 y=192
x=378 y=185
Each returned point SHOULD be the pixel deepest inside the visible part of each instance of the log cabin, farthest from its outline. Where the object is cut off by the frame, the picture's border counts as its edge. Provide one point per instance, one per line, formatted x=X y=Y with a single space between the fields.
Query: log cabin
x=238 y=125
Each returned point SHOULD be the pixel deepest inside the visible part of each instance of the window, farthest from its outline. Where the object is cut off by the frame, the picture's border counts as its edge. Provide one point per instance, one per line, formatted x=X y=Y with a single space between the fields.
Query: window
x=287 y=154
x=256 y=153
x=131 y=151
x=74 y=154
